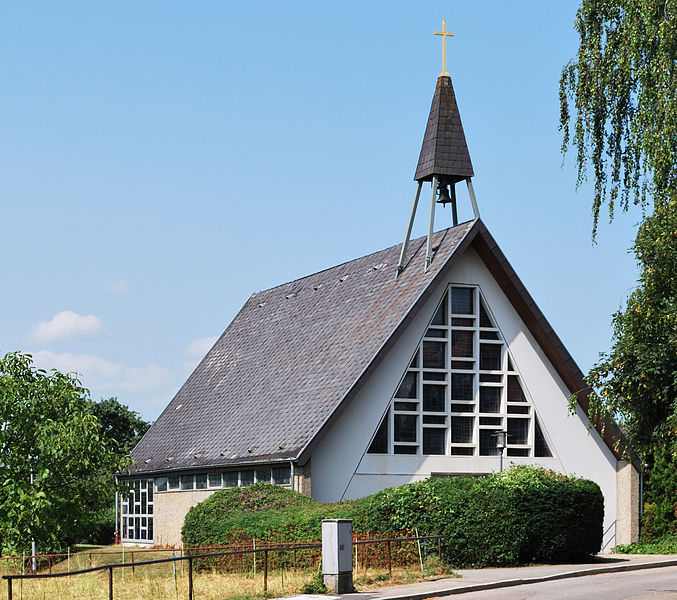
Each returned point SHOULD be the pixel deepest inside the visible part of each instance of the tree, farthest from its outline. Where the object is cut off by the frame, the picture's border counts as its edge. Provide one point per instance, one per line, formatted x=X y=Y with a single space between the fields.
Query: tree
x=120 y=424
x=54 y=459
x=623 y=88
x=637 y=380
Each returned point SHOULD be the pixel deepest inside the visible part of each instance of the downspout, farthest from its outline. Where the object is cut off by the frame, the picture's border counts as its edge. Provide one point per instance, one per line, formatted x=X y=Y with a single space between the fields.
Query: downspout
x=291 y=465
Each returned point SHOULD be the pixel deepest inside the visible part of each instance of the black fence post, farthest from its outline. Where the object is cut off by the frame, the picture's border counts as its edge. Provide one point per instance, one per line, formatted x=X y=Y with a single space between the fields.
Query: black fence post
x=110 y=583
x=190 y=578
x=390 y=562
x=265 y=571
x=9 y=589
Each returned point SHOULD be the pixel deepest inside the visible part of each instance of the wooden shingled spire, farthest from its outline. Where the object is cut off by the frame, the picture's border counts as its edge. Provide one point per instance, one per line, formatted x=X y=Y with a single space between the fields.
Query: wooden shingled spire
x=444 y=152
x=444 y=158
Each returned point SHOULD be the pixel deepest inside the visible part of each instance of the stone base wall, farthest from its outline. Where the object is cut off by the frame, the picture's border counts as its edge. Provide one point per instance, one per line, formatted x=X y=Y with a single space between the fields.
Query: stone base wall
x=302 y=479
x=170 y=509
x=627 y=502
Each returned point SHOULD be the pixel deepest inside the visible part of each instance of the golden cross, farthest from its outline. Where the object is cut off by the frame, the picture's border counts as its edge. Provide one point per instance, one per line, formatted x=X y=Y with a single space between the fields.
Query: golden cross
x=444 y=35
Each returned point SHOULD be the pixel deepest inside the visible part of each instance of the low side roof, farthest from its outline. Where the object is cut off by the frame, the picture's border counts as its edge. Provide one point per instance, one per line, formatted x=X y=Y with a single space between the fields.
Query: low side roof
x=288 y=359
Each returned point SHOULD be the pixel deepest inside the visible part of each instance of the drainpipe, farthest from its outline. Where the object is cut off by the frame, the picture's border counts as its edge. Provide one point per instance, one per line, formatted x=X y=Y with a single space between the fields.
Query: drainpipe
x=291 y=465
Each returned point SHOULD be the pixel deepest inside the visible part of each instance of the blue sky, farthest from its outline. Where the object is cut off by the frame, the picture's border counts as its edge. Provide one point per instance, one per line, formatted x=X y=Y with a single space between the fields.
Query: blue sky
x=161 y=161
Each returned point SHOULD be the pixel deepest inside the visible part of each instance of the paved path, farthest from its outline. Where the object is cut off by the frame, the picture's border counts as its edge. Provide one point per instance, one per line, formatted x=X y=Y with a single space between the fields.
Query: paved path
x=488 y=579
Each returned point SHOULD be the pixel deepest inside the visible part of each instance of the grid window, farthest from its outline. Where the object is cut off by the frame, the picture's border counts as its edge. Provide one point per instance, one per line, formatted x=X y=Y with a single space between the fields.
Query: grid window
x=379 y=445
x=490 y=357
x=440 y=317
x=518 y=431
x=215 y=480
x=433 y=440
x=230 y=479
x=462 y=343
x=408 y=386
x=485 y=321
x=434 y=398
x=462 y=387
x=515 y=393
x=405 y=428
x=281 y=475
x=462 y=301
x=488 y=441
x=174 y=483
x=161 y=484
x=433 y=355
x=137 y=510
x=187 y=482
x=263 y=475
x=461 y=430
x=246 y=478
x=490 y=399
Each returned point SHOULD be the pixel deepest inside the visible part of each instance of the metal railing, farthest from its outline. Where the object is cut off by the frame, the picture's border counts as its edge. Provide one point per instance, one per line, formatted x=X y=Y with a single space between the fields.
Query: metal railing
x=613 y=537
x=192 y=558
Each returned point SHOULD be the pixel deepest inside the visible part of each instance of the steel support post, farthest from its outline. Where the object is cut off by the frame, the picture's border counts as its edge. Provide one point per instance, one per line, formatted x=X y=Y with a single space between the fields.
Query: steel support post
x=431 y=226
x=405 y=245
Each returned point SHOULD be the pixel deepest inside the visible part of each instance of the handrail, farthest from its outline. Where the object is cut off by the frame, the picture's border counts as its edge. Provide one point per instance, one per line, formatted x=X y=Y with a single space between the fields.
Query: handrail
x=612 y=537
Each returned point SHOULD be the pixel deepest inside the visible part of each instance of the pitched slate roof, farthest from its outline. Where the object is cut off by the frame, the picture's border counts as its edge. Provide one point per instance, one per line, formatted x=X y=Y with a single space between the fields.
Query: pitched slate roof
x=444 y=151
x=288 y=359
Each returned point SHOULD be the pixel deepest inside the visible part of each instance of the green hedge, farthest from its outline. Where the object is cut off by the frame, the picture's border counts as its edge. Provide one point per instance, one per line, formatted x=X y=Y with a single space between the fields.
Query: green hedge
x=521 y=516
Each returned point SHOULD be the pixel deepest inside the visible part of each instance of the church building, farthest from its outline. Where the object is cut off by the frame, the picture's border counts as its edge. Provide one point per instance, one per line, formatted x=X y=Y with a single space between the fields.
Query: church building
x=426 y=359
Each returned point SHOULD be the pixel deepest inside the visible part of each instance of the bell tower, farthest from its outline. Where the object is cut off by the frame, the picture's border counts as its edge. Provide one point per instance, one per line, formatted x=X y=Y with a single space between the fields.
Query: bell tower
x=444 y=160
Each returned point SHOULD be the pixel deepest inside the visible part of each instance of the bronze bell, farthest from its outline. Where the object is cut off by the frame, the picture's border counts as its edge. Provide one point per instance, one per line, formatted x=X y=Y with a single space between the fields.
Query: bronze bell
x=443 y=193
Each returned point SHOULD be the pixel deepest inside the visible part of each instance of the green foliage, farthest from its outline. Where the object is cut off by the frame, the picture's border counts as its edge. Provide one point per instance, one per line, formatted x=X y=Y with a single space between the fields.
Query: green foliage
x=636 y=382
x=667 y=544
x=122 y=426
x=622 y=87
x=521 y=516
x=50 y=435
x=315 y=585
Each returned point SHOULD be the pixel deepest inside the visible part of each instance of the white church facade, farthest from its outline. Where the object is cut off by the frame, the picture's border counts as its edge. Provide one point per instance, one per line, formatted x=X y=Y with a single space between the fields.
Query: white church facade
x=427 y=359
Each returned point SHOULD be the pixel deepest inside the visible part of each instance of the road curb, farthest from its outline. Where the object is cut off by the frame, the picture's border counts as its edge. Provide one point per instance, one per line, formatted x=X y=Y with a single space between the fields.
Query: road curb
x=491 y=585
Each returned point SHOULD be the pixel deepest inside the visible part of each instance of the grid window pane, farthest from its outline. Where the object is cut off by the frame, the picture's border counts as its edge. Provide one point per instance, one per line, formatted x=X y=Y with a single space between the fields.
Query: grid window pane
x=161 y=484
x=405 y=428
x=433 y=441
x=462 y=343
x=461 y=408
x=434 y=398
x=230 y=479
x=281 y=475
x=462 y=387
x=379 y=445
x=246 y=478
x=488 y=441
x=263 y=475
x=215 y=480
x=440 y=317
x=490 y=399
x=408 y=386
x=174 y=483
x=541 y=446
x=515 y=393
x=518 y=430
x=187 y=482
x=490 y=357
x=201 y=482
x=462 y=301
x=433 y=355
x=405 y=449
x=485 y=321
x=461 y=430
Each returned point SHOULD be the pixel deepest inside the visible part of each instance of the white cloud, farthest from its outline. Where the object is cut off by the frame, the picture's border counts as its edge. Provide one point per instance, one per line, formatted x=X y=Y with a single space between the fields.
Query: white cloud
x=202 y=346
x=118 y=287
x=67 y=325
x=103 y=376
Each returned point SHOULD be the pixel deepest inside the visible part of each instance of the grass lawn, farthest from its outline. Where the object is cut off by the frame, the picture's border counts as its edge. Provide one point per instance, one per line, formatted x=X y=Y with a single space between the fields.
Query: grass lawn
x=166 y=582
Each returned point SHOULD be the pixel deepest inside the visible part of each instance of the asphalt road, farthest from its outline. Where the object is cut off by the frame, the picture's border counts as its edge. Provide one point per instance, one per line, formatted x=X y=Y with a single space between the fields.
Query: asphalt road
x=649 y=584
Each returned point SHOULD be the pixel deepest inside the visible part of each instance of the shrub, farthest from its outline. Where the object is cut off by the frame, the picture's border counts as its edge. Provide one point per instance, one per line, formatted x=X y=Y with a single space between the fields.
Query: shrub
x=521 y=516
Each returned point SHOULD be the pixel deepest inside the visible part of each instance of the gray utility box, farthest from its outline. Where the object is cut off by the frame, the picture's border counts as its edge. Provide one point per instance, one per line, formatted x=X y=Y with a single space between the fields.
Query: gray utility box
x=337 y=555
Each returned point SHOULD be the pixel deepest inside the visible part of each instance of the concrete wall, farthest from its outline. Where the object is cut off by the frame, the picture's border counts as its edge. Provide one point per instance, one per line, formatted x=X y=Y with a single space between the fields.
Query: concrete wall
x=342 y=469
x=170 y=509
x=302 y=481
x=627 y=527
